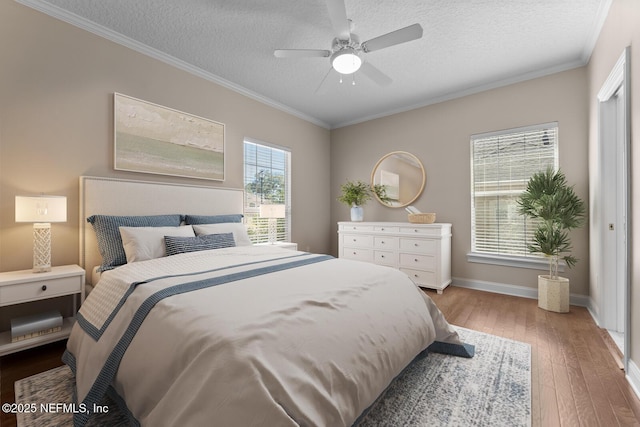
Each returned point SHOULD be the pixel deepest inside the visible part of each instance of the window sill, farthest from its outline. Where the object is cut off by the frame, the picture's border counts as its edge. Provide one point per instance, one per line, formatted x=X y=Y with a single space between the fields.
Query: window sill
x=512 y=261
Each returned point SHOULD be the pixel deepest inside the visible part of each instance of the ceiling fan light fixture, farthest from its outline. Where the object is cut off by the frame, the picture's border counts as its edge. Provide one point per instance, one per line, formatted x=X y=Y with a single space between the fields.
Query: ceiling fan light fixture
x=346 y=61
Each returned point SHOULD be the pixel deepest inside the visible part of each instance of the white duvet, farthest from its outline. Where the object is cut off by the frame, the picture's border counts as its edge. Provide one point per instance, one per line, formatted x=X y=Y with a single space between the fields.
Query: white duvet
x=293 y=339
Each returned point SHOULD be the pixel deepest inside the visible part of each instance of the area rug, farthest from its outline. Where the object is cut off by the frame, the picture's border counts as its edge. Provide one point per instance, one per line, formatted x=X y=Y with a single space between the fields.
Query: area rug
x=491 y=389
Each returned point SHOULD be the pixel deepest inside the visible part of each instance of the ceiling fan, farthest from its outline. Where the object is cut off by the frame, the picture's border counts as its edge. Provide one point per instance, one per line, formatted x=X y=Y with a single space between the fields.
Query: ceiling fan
x=346 y=50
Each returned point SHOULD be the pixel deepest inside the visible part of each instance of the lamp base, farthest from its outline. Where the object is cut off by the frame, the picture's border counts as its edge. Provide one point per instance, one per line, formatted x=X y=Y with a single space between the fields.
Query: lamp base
x=273 y=230
x=41 y=247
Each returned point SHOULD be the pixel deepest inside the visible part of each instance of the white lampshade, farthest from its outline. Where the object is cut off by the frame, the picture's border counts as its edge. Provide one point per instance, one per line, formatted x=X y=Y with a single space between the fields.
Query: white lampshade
x=346 y=61
x=272 y=211
x=41 y=209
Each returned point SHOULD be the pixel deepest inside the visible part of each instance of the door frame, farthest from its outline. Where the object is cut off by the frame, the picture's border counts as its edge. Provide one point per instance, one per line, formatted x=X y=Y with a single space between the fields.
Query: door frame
x=616 y=85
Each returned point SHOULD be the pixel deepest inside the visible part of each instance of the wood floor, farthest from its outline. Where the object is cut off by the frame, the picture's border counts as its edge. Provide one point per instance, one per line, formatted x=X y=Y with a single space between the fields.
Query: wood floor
x=24 y=364
x=576 y=381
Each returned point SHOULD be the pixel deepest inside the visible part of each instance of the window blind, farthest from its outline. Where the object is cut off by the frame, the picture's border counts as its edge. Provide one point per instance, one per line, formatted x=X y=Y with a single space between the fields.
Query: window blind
x=501 y=165
x=266 y=181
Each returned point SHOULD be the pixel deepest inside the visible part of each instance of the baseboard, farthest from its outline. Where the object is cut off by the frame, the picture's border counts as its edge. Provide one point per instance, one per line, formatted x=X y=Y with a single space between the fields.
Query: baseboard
x=593 y=311
x=515 y=290
x=633 y=377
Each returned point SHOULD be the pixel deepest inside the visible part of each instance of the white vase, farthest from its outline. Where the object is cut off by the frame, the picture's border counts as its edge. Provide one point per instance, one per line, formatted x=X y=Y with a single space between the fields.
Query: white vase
x=553 y=294
x=357 y=213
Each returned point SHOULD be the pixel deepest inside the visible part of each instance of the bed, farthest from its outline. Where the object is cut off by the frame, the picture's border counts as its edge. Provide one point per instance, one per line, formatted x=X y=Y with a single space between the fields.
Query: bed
x=222 y=332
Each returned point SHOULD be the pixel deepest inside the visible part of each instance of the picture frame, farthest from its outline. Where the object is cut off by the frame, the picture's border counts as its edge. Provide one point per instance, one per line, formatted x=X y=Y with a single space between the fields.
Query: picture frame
x=151 y=138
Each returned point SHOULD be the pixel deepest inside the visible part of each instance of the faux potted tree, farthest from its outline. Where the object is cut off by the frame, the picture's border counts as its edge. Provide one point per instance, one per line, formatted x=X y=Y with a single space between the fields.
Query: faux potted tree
x=556 y=209
x=357 y=193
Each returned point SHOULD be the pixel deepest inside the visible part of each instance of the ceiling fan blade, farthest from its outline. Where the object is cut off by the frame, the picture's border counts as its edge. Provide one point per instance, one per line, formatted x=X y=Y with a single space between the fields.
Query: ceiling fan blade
x=301 y=53
x=338 y=16
x=406 y=34
x=375 y=74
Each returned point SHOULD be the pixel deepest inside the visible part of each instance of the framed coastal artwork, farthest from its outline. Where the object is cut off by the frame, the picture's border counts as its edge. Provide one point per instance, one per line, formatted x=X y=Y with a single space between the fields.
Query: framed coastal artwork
x=150 y=138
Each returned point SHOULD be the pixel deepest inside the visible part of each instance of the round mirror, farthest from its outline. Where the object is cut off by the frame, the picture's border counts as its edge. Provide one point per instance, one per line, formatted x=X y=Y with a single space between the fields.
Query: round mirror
x=402 y=176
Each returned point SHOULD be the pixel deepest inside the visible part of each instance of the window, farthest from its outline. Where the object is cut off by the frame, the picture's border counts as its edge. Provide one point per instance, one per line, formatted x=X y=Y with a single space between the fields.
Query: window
x=501 y=165
x=266 y=181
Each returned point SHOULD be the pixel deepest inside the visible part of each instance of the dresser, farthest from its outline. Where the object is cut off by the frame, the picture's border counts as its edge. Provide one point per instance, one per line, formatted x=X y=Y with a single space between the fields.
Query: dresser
x=422 y=251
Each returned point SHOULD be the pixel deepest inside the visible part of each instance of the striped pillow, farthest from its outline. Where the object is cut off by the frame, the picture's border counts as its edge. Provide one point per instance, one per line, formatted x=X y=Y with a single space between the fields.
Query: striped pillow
x=212 y=219
x=178 y=245
x=108 y=234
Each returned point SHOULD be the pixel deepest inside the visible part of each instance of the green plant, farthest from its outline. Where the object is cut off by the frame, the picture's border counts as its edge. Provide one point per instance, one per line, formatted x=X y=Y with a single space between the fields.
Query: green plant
x=357 y=193
x=381 y=191
x=556 y=208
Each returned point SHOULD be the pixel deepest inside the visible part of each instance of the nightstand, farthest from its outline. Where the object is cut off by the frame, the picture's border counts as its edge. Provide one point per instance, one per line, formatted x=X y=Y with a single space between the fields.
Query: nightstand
x=285 y=245
x=18 y=287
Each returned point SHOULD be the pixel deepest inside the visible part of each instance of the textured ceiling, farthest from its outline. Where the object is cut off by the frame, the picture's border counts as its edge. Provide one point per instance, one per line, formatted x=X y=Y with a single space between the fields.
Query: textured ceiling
x=467 y=46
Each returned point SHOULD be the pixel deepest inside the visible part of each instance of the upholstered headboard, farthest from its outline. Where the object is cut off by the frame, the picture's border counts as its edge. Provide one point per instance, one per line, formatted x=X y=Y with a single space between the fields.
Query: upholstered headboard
x=111 y=196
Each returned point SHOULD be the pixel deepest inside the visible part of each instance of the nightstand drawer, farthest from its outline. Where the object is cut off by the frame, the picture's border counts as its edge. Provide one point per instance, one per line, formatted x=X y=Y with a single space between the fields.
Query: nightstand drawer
x=22 y=292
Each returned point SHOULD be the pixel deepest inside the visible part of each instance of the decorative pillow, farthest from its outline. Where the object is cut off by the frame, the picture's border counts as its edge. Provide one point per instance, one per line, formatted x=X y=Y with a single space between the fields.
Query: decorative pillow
x=212 y=219
x=108 y=235
x=239 y=231
x=142 y=243
x=179 y=245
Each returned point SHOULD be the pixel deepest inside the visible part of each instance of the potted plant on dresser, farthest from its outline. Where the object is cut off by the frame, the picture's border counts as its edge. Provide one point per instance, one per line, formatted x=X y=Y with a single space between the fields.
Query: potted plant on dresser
x=556 y=209
x=357 y=193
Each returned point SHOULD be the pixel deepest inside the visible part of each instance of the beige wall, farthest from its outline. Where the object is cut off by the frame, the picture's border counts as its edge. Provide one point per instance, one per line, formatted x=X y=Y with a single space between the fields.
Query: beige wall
x=56 y=100
x=621 y=29
x=439 y=136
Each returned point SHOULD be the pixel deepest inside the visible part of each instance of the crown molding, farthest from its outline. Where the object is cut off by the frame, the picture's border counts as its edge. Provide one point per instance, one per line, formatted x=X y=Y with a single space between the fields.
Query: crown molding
x=470 y=91
x=99 y=30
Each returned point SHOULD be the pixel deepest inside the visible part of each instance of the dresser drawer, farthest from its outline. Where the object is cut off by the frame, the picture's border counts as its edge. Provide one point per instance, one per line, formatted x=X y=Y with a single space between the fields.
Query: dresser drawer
x=420 y=277
x=386 y=229
x=384 y=258
x=357 y=241
x=20 y=292
x=421 y=231
x=384 y=242
x=427 y=262
x=358 y=254
x=423 y=246
x=359 y=228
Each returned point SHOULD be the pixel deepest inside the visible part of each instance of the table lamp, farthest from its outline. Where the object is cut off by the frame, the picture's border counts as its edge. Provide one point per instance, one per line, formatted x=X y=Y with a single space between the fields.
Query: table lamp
x=41 y=211
x=273 y=212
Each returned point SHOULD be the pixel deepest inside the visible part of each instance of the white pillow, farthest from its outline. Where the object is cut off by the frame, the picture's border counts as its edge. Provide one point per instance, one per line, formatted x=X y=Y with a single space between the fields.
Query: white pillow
x=143 y=243
x=238 y=229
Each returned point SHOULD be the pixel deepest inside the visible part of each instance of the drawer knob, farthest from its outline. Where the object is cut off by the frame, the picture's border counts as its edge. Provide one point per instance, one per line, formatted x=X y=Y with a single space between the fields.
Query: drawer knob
x=416 y=245
x=415 y=231
x=382 y=242
x=415 y=259
x=354 y=240
x=415 y=275
x=354 y=253
x=381 y=256
x=44 y=287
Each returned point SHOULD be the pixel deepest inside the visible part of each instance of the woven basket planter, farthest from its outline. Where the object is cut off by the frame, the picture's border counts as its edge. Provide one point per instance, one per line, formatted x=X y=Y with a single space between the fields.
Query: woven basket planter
x=422 y=218
x=553 y=294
